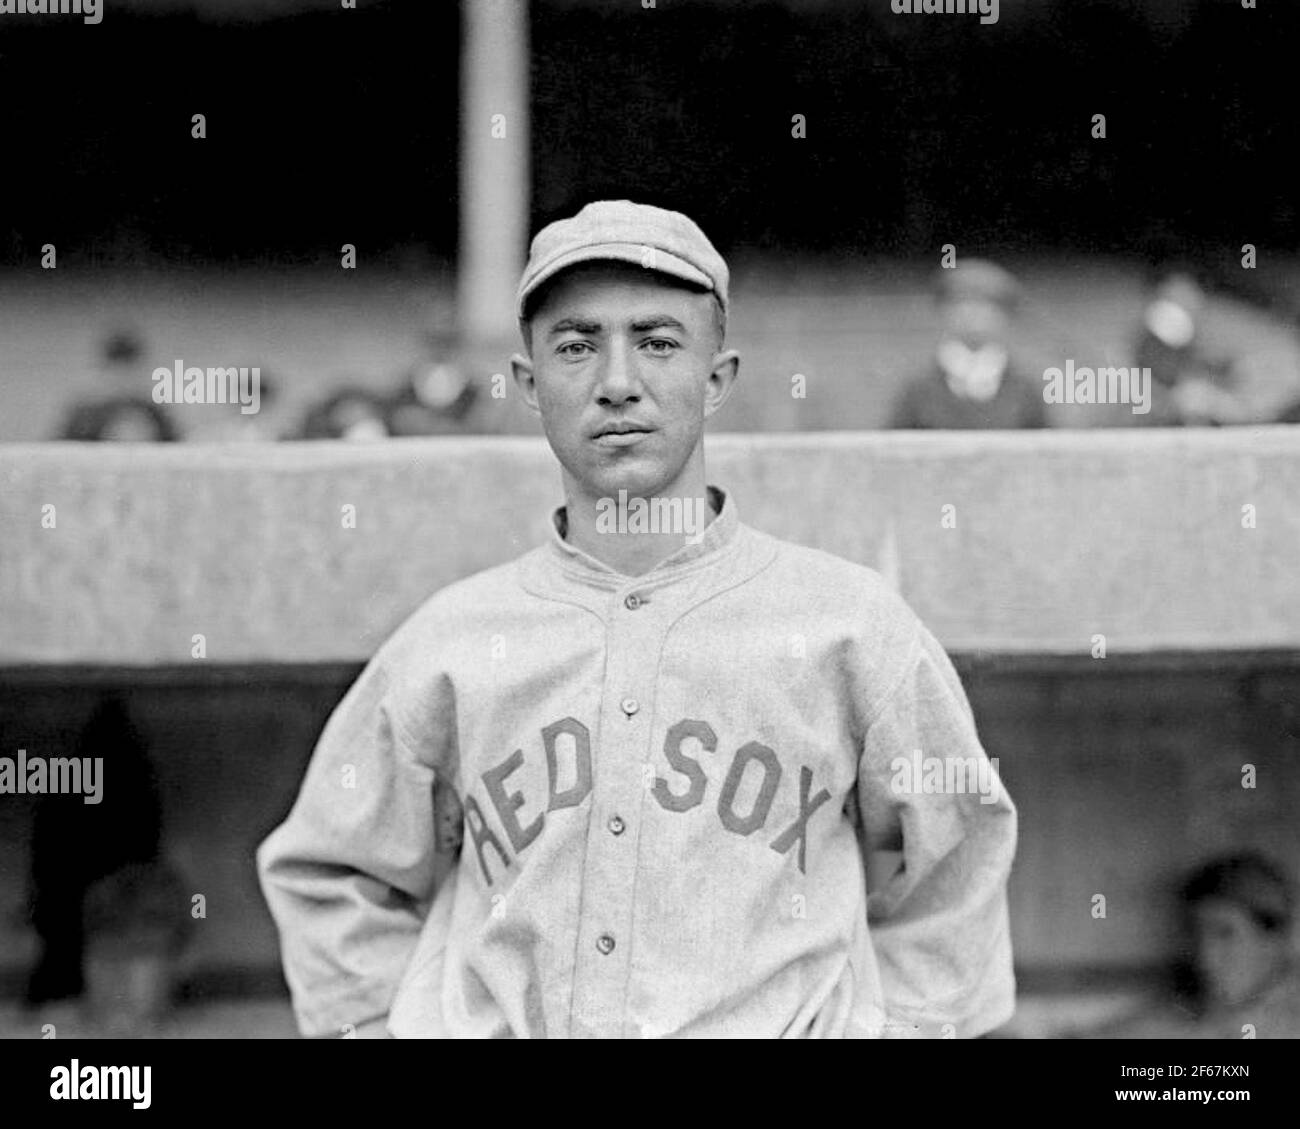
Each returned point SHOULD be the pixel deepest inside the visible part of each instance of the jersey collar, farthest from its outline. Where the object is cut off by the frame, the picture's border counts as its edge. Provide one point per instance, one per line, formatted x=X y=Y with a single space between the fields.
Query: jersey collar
x=717 y=535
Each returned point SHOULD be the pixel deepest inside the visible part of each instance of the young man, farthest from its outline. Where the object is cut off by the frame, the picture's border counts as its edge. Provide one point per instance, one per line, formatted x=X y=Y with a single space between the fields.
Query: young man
x=672 y=745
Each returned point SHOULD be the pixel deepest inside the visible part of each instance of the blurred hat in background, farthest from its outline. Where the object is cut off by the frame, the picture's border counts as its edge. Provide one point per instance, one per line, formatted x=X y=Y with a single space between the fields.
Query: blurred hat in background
x=1249 y=880
x=977 y=280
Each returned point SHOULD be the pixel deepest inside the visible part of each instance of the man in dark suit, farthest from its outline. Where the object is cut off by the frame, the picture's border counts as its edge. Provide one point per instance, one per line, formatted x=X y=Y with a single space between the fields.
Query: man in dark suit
x=973 y=382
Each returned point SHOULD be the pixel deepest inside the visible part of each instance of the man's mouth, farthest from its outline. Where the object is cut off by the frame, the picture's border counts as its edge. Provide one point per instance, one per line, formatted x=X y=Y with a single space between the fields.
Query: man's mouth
x=625 y=431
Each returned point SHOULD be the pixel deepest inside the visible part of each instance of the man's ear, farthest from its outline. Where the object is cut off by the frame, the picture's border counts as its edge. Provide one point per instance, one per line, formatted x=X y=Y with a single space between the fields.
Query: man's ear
x=722 y=380
x=521 y=368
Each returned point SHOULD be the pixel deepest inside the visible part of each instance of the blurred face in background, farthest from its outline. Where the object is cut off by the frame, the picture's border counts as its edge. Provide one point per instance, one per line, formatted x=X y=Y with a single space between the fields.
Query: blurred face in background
x=975 y=322
x=1171 y=316
x=624 y=367
x=1236 y=957
x=972 y=349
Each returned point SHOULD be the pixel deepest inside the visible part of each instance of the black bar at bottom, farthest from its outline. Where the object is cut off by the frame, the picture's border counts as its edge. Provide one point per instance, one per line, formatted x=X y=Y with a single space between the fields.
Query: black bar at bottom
x=397 y=1080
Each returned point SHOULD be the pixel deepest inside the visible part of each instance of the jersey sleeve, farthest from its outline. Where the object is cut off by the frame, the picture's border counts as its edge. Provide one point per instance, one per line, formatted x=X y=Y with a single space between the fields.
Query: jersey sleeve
x=349 y=874
x=927 y=790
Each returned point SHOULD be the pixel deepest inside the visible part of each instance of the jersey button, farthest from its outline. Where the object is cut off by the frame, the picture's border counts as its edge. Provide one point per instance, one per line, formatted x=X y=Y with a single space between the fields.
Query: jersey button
x=605 y=943
x=616 y=824
x=630 y=706
x=632 y=602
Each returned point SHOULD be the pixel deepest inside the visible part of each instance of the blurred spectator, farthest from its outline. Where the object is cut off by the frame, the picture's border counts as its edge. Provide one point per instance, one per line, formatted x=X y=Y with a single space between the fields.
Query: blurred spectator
x=435 y=398
x=136 y=926
x=234 y=426
x=74 y=845
x=1238 y=974
x=131 y=419
x=351 y=413
x=1188 y=387
x=973 y=382
x=1291 y=412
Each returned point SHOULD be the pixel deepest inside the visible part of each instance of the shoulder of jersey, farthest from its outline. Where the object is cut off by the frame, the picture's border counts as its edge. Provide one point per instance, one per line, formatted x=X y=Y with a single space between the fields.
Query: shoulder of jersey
x=456 y=606
x=804 y=569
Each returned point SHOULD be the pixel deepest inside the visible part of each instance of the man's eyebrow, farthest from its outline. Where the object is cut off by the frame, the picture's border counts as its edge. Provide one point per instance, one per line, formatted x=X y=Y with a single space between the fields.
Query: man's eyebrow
x=591 y=327
x=574 y=325
x=657 y=321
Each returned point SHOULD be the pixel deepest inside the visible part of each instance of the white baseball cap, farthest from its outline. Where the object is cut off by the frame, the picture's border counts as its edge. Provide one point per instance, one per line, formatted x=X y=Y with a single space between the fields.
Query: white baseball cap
x=625 y=232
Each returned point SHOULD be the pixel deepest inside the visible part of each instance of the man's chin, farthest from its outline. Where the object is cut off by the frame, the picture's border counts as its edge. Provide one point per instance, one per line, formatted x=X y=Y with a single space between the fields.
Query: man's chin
x=640 y=481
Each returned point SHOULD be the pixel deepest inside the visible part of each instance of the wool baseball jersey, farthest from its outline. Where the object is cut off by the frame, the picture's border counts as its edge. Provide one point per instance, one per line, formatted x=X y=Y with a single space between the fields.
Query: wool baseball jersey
x=659 y=794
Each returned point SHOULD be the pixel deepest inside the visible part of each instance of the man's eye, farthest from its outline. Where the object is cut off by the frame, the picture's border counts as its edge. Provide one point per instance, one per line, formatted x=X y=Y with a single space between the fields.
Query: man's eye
x=661 y=346
x=573 y=348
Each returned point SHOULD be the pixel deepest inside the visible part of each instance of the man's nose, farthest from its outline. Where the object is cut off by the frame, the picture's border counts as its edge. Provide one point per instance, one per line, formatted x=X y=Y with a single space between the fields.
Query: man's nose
x=618 y=378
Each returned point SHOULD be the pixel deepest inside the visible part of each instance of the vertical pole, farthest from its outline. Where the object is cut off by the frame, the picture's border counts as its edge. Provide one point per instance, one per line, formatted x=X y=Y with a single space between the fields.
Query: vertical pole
x=494 y=167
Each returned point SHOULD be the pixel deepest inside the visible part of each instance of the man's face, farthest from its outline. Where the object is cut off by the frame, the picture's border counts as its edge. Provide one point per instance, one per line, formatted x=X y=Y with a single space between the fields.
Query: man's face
x=624 y=369
x=1235 y=957
x=975 y=322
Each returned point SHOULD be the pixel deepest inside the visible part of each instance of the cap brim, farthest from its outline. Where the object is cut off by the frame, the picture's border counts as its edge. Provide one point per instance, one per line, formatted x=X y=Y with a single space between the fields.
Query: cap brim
x=663 y=262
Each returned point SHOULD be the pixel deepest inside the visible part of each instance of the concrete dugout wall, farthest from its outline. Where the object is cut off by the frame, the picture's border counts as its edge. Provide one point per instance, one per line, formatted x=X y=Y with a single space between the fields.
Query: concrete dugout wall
x=1179 y=540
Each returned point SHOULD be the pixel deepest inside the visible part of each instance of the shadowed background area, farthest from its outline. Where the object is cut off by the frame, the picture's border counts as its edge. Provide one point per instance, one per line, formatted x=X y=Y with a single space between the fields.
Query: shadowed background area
x=919 y=130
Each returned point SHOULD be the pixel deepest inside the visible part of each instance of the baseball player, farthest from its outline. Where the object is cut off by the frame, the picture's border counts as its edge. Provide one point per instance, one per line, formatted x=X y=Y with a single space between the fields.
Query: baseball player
x=671 y=746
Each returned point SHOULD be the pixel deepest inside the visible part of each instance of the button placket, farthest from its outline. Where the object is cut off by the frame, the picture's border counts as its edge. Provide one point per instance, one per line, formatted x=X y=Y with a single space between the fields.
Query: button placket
x=602 y=969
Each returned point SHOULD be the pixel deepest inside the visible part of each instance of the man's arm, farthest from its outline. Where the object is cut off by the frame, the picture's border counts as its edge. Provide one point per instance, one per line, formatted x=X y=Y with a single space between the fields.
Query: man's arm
x=939 y=927
x=349 y=873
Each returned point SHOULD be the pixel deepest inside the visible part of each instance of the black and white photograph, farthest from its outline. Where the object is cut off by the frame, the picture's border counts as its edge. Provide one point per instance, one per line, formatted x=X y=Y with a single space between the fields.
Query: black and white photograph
x=650 y=519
